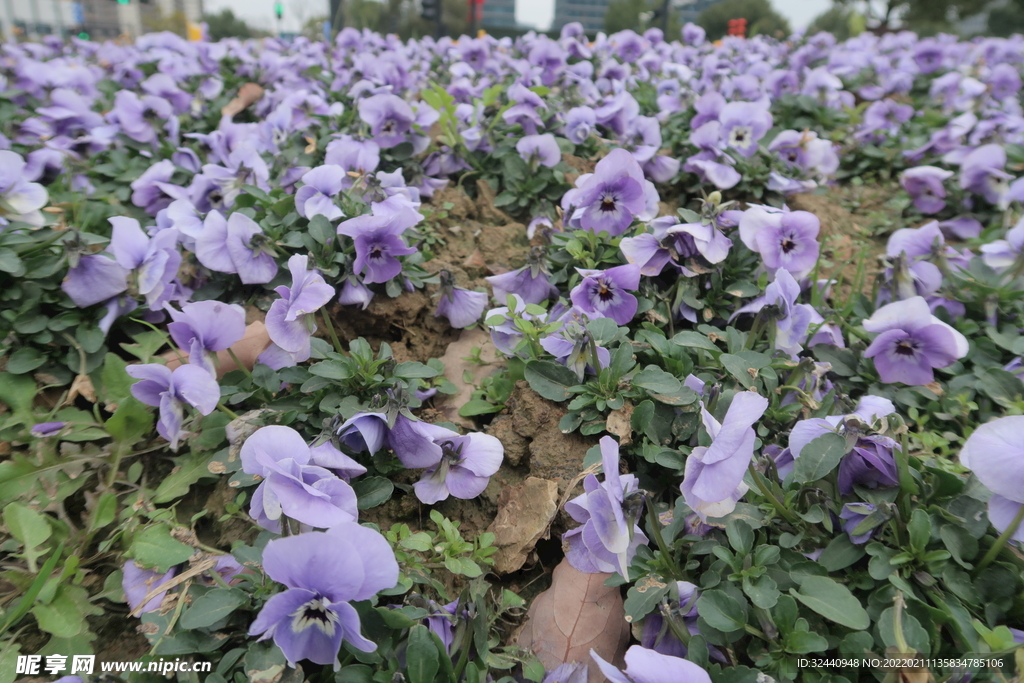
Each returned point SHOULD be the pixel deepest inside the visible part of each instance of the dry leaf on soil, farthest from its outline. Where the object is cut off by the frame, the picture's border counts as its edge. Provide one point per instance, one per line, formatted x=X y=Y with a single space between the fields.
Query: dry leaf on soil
x=578 y=613
x=524 y=516
x=247 y=94
x=455 y=368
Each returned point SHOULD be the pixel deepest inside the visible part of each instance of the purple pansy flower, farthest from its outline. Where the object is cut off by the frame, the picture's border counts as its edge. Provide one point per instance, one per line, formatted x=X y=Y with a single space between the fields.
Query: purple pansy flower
x=236 y=245
x=608 y=536
x=291 y=486
x=417 y=443
x=154 y=261
x=378 y=240
x=743 y=125
x=461 y=307
x=94 y=279
x=467 y=463
x=713 y=480
x=611 y=196
x=389 y=117
x=852 y=515
x=539 y=149
x=153 y=190
x=924 y=185
x=45 y=429
x=530 y=282
x=1005 y=253
x=316 y=196
x=995 y=455
x=982 y=173
x=169 y=391
x=571 y=346
x=648 y=666
x=313 y=616
x=364 y=432
x=19 y=200
x=290 y=320
x=137 y=584
x=605 y=294
x=576 y=672
x=911 y=342
x=204 y=327
x=579 y=124
x=786 y=239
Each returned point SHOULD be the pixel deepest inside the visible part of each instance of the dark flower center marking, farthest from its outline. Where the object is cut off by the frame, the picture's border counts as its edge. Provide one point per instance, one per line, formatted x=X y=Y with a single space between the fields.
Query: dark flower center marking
x=314 y=613
x=604 y=292
x=788 y=245
x=389 y=126
x=376 y=252
x=792 y=156
x=608 y=202
x=907 y=347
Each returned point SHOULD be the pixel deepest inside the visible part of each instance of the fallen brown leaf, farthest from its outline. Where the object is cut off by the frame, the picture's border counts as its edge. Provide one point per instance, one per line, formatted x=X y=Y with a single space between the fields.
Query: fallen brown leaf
x=524 y=516
x=455 y=368
x=82 y=386
x=619 y=423
x=578 y=613
x=247 y=94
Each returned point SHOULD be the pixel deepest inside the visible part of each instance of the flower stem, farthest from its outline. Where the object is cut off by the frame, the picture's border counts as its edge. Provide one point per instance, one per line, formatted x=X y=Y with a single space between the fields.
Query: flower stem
x=765 y=489
x=241 y=366
x=329 y=324
x=1003 y=538
x=227 y=411
x=655 y=527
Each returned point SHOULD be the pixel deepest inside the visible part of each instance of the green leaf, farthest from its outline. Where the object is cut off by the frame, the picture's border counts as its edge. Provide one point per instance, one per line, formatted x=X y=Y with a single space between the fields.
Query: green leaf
x=762 y=591
x=741 y=536
x=411 y=369
x=961 y=545
x=915 y=634
x=154 y=547
x=721 y=611
x=643 y=597
x=10 y=263
x=479 y=406
x=29 y=527
x=64 y=616
x=331 y=369
x=819 y=457
x=462 y=566
x=421 y=656
x=354 y=673
x=373 y=491
x=804 y=642
x=25 y=359
x=920 y=530
x=840 y=553
x=550 y=379
x=116 y=381
x=187 y=470
x=321 y=229
x=654 y=379
x=17 y=392
x=833 y=601
x=744 y=365
x=210 y=608
x=129 y=423
x=694 y=340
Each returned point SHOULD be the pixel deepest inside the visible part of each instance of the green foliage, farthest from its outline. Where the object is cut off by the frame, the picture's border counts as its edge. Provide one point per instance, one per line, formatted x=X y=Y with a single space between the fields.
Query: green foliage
x=226 y=25
x=761 y=18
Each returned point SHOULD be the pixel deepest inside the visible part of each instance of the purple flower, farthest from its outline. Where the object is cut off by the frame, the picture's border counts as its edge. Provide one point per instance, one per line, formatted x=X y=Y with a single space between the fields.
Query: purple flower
x=205 y=327
x=982 y=173
x=869 y=461
x=743 y=125
x=461 y=307
x=417 y=443
x=805 y=151
x=571 y=347
x=611 y=196
x=693 y=34
x=19 y=200
x=995 y=455
x=159 y=387
x=575 y=672
x=136 y=116
x=290 y=320
x=328 y=456
x=378 y=240
x=315 y=198
x=924 y=184
x=364 y=432
x=785 y=239
x=1003 y=254
x=440 y=621
x=313 y=616
x=792 y=320
x=467 y=463
x=94 y=279
x=539 y=149
x=389 y=118
x=605 y=294
x=154 y=261
x=529 y=282
x=648 y=666
x=852 y=515
x=609 y=536
x=911 y=342
x=357 y=156
x=291 y=486
x=579 y=124
x=713 y=480
x=236 y=245
x=153 y=190
x=45 y=429
x=137 y=584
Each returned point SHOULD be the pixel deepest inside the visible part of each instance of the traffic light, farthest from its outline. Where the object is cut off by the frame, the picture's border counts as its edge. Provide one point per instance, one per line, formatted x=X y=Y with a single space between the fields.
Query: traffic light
x=279 y=9
x=430 y=9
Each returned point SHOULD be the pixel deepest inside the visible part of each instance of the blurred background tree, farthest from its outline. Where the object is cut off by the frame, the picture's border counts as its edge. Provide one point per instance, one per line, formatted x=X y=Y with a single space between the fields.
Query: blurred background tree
x=175 y=22
x=928 y=17
x=226 y=25
x=1007 y=19
x=761 y=18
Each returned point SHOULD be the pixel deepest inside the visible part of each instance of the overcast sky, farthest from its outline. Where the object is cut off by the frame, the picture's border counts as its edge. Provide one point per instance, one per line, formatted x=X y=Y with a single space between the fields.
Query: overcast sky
x=531 y=12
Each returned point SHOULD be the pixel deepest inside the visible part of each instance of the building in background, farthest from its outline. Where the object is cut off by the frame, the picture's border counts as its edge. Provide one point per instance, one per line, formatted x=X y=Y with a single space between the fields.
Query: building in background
x=97 y=19
x=590 y=13
x=499 y=14
x=689 y=10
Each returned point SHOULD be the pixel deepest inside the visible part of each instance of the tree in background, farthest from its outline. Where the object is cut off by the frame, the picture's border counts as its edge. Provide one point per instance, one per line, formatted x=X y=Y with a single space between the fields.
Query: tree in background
x=1006 y=20
x=842 y=22
x=761 y=18
x=623 y=14
x=226 y=25
x=175 y=22
x=926 y=17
